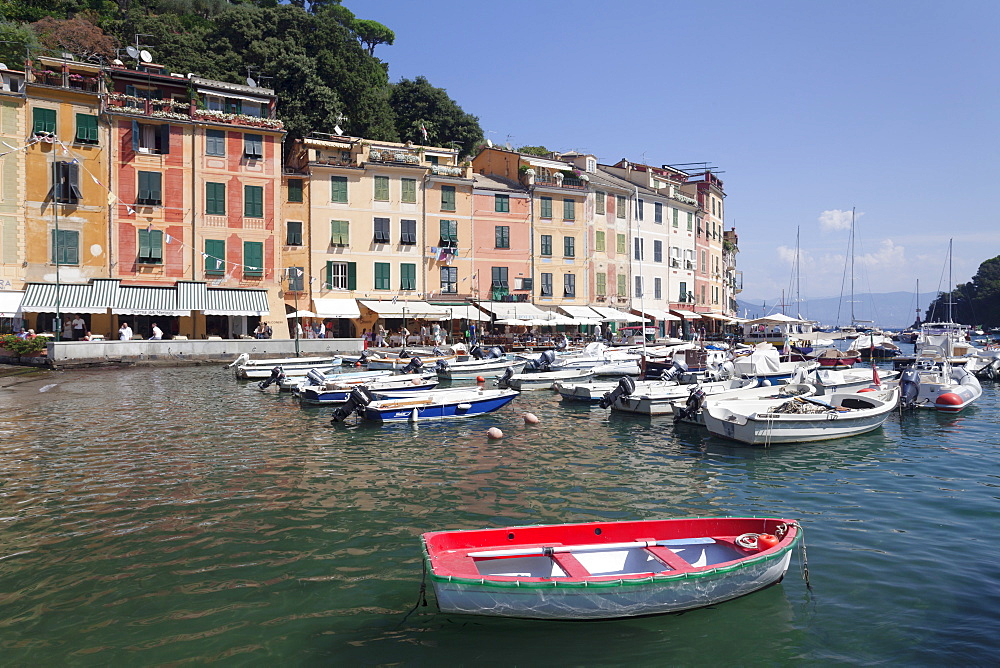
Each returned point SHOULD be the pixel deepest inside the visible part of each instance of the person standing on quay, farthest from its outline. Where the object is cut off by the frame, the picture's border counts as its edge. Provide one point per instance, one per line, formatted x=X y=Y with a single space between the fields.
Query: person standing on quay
x=79 y=328
x=157 y=334
x=125 y=332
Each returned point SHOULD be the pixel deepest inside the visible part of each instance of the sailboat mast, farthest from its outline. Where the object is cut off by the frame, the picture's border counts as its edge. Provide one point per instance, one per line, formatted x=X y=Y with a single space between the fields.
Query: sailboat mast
x=852 y=266
x=798 y=296
x=950 y=285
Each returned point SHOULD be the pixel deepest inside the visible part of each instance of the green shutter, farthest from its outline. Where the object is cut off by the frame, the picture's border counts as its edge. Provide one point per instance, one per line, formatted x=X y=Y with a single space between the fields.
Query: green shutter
x=600 y=202
x=569 y=209
x=253 y=201
x=447 y=198
x=338 y=189
x=215 y=256
x=599 y=242
x=253 y=258
x=621 y=243
x=215 y=199
x=156 y=245
x=408 y=190
x=407 y=276
x=44 y=120
x=328 y=277
x=382 y=188
x=294 y=190
x=143 y=244
x=383 y=276
x=86 y=128
x=339 y=233
x=546 y=207
x=602 y=283
x=352 y=275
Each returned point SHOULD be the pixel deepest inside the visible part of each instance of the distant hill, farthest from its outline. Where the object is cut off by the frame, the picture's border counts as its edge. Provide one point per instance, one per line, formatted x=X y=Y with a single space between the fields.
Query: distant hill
x=889 y=310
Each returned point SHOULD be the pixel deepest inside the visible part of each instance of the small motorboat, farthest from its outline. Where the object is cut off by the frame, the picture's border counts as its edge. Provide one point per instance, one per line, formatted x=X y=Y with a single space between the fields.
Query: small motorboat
x=689 y=410
x=247 y=369
x=337 y=391
x=832 y=358
x=606 y=570
x=800 y=419
x=627 y=397
x=474 y=368
x=315 y=377
x=827 y=380
x=395 y=362
x=940 y=386
x=422 y=405
x=541 y=380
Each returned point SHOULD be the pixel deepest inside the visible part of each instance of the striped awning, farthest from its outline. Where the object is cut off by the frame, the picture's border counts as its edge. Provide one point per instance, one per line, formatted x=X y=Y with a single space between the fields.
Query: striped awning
x=609 y=314
x=71 y=297
x=513 y=310
x=10 y=304
x=141 y=300
x=192 y=295
x=233 y=301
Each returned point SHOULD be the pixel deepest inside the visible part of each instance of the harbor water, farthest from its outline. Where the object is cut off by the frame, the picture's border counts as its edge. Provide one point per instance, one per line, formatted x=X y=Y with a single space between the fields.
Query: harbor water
x=171 y=515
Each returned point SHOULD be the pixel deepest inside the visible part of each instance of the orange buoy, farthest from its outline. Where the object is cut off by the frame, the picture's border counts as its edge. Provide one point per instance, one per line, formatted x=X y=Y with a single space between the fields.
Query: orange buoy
x=766 y=541
x=480 y=379
x=867 y=389
x=357 y=364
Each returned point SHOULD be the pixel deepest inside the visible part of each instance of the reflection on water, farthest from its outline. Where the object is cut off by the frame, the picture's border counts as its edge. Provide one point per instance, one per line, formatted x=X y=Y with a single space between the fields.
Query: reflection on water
x=166 y=515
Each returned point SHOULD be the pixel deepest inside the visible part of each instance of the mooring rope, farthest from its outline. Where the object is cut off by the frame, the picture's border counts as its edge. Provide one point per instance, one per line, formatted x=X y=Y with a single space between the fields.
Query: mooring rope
x=421 y=595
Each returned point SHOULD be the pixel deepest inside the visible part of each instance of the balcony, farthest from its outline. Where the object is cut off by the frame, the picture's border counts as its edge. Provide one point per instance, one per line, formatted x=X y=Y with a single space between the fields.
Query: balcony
x=448 y=170
x=684 y=199
x=181 y=111
x=574 y=184
x=398 y=156
x=214 y=116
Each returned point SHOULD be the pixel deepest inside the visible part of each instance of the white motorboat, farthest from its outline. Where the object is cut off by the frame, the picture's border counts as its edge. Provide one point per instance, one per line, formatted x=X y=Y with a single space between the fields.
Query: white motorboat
x=939 y=386
x=315 y=377
x=542 y=380
x=287 y=370
x=800 y=419
x=622 y=367
x=627 y=397
x=592 y=391
x=336 y=390
x=244 y=367
x=828 y=381
x=690 y=410
x=398 y=363
x=422 y=405
x=472 y=369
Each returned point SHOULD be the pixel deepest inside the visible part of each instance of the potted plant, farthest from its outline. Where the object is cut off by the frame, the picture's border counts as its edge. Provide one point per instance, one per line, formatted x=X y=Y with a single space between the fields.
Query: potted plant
x=23 y=347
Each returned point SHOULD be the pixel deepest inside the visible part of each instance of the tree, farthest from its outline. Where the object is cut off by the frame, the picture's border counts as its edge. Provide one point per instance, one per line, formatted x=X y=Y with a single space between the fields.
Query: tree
x=76 y=35
x=976 y=302
x=417 y=102
x=372 y=33
x=540 y=151
x=16 y=39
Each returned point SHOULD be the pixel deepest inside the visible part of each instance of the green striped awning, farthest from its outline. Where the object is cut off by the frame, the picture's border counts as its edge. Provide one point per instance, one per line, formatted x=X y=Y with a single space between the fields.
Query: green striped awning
x=233 y=301
x=71 y=298
x=134 y=300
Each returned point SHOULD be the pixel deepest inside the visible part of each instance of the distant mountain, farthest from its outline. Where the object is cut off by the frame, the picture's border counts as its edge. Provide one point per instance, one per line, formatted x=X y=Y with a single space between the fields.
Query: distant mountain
x=889 y=310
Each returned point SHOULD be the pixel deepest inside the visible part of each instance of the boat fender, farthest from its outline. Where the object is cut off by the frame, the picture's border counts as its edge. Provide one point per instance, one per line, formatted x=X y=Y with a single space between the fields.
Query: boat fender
x=757 y=541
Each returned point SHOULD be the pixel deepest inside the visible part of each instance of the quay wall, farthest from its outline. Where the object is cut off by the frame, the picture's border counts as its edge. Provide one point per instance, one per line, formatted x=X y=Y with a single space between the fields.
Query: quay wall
x=171 y=352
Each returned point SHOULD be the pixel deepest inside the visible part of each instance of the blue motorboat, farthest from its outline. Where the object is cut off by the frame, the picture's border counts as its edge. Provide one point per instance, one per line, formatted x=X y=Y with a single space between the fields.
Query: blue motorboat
x=419 y=406
x=337 y=391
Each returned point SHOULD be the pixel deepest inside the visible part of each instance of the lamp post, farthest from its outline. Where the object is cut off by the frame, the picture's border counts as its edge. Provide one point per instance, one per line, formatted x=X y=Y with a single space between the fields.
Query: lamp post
x=56 y=193
x=288 y=275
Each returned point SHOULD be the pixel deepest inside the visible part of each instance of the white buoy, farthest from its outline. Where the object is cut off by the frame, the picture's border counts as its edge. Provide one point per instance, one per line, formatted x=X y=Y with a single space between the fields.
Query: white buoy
x=530 y=418
x=493 y=433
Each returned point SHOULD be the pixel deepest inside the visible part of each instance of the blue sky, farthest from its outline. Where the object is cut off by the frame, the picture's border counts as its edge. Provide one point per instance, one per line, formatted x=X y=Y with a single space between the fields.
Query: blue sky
x=808 y=108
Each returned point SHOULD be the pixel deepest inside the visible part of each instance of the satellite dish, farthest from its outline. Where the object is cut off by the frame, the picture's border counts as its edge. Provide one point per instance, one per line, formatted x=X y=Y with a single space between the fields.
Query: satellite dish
x=117 y=62
x=3 y=66
x=509 y=147
x=145 y=56
x=489 y=142
x=337 y=130
x=132 y=52
x=251 y=82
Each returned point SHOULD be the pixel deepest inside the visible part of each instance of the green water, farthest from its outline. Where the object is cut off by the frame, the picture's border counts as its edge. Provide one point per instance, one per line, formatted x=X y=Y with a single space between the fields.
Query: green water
x=168 y=516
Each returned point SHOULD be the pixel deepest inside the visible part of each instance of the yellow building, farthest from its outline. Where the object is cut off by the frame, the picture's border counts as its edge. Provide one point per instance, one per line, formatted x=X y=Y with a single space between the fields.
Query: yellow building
x=12 y=133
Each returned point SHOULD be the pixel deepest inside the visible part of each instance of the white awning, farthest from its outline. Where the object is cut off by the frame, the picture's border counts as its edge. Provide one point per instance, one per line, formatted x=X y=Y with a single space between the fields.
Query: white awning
x=401 y=309
x=10 y=304
x=777 y=319
x=687 y=315
x=609 y=314
x=657 y=314
x=513 y=310
x=584 y=315
x=467 y=312
x=717 y=316
x=336 y=308
x=549 y=164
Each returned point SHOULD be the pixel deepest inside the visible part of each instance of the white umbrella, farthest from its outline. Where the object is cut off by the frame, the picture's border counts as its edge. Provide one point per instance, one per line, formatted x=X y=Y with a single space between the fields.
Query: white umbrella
x=301 y=314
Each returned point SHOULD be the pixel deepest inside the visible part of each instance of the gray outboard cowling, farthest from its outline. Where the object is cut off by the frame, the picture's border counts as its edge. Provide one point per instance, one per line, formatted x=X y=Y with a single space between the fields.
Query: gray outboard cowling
x=441 y=365
x=414 y=365
x=695 y=400
x=494 y=353
x=626 y=386
x=676 y=369
x=356 y=402
x=543 y=363
x=316 y=377
x=909 y=384
x=503 y=381
x=476 y=352
x=277 y=374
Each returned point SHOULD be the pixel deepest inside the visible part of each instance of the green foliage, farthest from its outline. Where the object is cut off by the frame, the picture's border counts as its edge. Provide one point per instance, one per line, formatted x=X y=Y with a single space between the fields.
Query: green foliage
x=975 y=302
x=15 y=41
x=372 y=33
x=540 y=151
x=21 y=347
x=417 y=102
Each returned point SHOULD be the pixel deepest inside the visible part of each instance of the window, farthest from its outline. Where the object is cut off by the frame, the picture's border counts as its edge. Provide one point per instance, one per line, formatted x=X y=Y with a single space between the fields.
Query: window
x=657 y=288
x=215 y=199
x=65 y=247
x=339 y=233
x=449 y=233
x=381 y=230
x=253 y=201
x=447 y=198
x=638 y=248
x=638 y=287
x=621 y=285
x=602 y=284
x=294 y=190
x=43 y=121
x=622 y=249
x=704 y=263
x=546 y=285
x=546 y=204
x=599 y=197
x=569 y=246
x=407 y=276
x=620 y=204
x=215 y=257
x=66 y=182
x=338 y=189
x=501 y=203
x=569 y=209
x=382 y=276
x=449 y=280
x=408 y=232
x=296 y=279
x=381 y=188
x=253 y=146
x=676 y=212
x=682 y=294
x=253 y=258
x=498 y=277
x=657 y=212
x=251 y=109
x=502 y=236
x=638 y=209
x=150 y=189
x=599 y=241
x=408 y=190
x=215 y=142
x=147 y=138
x=569 y=285
x=86 y=129
x=293 y=234
x=703 y=300
x=690 y=217
x=657 y=251
x=341 y=276
x=234 y=105
x=546 y=244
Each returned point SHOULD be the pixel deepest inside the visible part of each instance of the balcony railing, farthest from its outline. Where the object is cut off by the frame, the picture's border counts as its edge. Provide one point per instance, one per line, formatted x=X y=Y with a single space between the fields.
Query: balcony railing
x=576 y=184
x=685 y=199
x=182 y=111
x=447 y=170
x=392 y=155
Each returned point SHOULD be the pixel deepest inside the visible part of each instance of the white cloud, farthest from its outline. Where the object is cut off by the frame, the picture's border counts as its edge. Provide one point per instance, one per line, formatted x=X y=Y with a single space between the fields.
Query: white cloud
x=888 y=259
x=836 y=219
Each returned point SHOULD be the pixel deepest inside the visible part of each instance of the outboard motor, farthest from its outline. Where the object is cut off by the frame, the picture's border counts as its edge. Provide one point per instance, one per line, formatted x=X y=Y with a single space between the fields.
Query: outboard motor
x=494 y=353
x=404 y=354
x=364 y=357
x=356 y=402
x=543 y=363
x=989 y=372
x=476 y=352
x=277 y=375
x=413 y=366
x=675 y=370
x=441 y=365
x=695 y=400
x=503 y=381
x=909 y=387
x=437 y=351
x=626 y=386
x=315 y=377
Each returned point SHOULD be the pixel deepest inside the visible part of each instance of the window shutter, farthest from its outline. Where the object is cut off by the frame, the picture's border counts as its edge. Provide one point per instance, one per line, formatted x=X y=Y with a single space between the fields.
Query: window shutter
x=352 y=275
x=71 y=246
x=165 y=138
x=154 y=187
x=156 y=245
x=143 y=243
x=135 y=136
x=328 y=276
